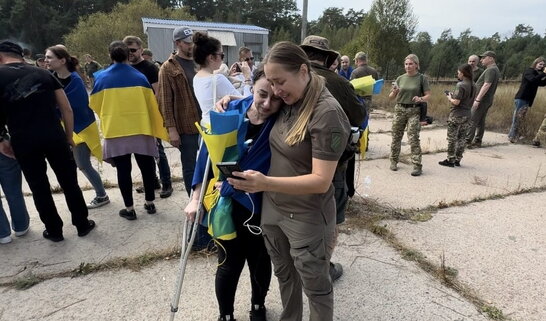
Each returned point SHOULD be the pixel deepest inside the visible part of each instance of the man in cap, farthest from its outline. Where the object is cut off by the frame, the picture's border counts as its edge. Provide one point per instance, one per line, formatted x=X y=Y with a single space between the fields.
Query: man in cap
x=363 y=70
x=147 y=54
x=473 y=61
x=321 y=57
x=150 y=70
x=29 y=98
x=40 y=61
x=180 y=109
x=486 y=86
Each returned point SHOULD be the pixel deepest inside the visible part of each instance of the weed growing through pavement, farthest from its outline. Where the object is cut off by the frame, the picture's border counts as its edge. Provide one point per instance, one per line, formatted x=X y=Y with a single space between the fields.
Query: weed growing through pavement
x=27 y=281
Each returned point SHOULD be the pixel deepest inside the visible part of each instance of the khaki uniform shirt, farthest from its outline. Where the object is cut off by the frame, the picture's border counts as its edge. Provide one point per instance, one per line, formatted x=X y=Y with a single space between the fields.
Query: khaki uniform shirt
x=327 y=135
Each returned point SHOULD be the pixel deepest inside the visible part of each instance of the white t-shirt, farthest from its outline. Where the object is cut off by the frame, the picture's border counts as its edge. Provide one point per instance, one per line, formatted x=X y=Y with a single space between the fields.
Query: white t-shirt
x=204 y=93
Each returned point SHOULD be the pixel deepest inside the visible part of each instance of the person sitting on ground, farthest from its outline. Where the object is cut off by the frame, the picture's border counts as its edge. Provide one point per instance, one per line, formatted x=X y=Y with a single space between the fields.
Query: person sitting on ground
x=248 y=246
x=130 y=122
x=86 y=138
x=459 y=118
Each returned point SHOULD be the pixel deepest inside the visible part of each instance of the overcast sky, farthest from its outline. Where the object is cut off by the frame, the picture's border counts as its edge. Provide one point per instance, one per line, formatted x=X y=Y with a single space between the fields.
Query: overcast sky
x=484 y=18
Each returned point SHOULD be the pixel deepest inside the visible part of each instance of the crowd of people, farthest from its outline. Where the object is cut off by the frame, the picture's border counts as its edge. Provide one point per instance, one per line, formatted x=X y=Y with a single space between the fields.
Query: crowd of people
x=296 y=173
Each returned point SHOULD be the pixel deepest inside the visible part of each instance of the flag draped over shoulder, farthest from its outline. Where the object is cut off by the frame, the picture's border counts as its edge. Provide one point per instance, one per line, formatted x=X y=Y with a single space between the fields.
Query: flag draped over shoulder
x=125 y=103
x=228 y=145
x=85 y=126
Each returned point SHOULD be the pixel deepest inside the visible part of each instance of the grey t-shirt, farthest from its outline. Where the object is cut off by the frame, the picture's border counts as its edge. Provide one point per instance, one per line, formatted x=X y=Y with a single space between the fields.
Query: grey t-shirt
x=189 y=69
x=465 y=92
x=490 y=75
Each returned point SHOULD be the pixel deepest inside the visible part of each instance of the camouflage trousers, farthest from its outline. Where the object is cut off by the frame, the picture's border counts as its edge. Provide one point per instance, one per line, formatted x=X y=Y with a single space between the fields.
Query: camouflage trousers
x=541 y=133
x=457 y=128
x=406 y=117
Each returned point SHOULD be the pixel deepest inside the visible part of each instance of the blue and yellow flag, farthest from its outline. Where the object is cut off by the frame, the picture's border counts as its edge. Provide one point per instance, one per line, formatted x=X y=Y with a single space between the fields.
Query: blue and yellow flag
x=85 y=126
x=125 y=103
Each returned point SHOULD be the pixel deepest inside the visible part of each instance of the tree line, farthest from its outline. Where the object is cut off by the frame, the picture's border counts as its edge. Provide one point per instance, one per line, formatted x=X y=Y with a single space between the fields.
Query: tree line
x=386 y=32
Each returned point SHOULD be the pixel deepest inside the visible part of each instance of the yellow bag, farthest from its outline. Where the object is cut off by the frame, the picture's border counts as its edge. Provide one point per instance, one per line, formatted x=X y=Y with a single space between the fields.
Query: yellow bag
x=363 y=85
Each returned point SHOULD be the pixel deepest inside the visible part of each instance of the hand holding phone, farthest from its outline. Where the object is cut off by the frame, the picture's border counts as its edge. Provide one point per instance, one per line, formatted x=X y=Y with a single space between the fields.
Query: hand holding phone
x=227 y=169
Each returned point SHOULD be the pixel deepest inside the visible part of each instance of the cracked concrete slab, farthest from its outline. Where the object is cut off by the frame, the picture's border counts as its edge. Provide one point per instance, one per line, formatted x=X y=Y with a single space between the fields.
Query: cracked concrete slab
x=497 y=247
x=377 y=285
x=497 y=170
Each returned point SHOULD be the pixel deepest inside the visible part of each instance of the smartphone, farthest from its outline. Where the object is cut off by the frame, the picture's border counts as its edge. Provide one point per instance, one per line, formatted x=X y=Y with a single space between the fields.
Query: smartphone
x=238 y=67
x=227 y=169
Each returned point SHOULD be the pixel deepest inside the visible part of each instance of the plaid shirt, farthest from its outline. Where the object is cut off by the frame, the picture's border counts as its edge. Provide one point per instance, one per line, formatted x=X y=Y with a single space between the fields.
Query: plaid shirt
x=176 y=100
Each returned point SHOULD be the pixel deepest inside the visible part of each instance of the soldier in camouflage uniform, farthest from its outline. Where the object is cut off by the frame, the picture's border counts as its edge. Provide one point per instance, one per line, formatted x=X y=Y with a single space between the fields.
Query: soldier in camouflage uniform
x=410 y=90
x=541 y=133
x=459 y=118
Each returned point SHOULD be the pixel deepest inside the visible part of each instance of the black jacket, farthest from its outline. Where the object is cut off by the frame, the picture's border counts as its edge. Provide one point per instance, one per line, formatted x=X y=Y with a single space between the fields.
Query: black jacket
x=344 y=93
x=530 y=81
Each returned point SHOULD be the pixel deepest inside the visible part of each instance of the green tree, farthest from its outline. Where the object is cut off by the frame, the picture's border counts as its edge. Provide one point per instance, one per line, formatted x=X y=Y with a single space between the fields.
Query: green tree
x=446 y=56
x=386 y=32
x=94 y=33
x=422 y=46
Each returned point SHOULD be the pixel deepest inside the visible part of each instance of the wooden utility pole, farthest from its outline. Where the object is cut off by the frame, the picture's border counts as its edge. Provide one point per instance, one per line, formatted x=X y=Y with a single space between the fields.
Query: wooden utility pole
x=304 y=21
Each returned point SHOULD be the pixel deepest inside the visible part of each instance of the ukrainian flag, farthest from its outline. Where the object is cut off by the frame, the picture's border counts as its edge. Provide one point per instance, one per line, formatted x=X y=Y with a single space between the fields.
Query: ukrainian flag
x=126 y=104
x=85 y=127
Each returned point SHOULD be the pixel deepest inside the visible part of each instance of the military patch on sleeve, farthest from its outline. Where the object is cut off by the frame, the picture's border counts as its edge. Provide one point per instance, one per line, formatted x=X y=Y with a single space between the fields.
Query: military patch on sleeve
x=336 y=141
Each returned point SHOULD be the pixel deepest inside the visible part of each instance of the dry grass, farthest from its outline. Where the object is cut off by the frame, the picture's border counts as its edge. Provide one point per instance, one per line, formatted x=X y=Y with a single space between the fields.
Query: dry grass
x=499 y=117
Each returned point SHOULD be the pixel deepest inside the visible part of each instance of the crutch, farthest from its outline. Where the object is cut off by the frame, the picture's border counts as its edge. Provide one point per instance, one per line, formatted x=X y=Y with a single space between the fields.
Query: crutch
x=186 y=245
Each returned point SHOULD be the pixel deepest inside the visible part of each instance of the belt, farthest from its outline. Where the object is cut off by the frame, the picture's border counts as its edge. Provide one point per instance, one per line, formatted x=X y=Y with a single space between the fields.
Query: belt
x=409 y=105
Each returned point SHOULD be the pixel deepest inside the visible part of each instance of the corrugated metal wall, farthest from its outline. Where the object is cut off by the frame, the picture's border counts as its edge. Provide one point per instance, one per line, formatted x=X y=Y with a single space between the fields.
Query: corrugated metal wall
x=161 y=44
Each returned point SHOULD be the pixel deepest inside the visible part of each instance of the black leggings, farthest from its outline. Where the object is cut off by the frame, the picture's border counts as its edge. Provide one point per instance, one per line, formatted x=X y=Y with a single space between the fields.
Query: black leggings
x=125 y=182
x=232 y=255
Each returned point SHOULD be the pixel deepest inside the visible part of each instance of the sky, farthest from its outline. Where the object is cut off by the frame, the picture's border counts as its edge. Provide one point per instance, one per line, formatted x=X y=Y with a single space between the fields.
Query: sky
x=484 y=18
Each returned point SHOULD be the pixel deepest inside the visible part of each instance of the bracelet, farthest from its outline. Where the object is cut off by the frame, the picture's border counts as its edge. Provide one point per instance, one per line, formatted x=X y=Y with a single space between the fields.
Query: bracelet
x=478 y=101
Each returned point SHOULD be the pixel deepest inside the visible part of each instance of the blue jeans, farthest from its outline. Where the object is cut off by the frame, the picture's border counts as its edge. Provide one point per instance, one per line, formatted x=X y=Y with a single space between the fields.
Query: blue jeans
x=520 y=109
x=163 y=165
x=10 y=180
x=82 y=157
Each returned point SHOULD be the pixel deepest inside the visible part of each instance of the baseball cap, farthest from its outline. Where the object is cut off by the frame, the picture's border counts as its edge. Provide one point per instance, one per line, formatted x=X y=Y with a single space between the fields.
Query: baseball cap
x=183 y=33
x=40 y=57
x=320 y=44
x=489 y=53
x=8 y=46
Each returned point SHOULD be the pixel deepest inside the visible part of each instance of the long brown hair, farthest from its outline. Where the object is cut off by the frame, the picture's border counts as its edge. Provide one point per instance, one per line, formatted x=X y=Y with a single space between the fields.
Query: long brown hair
x=60 y=52
x=291 y=57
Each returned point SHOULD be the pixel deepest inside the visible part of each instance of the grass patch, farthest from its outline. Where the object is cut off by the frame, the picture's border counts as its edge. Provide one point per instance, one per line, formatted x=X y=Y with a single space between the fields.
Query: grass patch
x=26 y=281
x=493 y=312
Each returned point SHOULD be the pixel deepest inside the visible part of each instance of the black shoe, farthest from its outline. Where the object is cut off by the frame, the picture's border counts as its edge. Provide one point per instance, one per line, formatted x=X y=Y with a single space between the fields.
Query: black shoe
x=90 y=226
x=166 y=191
x=477 y=144
x=257 y=313
x=150 y=208
x=447 y=163
x=130 y=215
x=157 y=185
x=536 y=143
x=336 y=271
x=457 y=163
x=52 y=238
x=226 y=318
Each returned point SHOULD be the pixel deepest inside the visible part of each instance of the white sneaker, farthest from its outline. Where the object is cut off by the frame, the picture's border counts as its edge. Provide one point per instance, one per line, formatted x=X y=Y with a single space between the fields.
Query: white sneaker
x=5 y=240
x=19 y=234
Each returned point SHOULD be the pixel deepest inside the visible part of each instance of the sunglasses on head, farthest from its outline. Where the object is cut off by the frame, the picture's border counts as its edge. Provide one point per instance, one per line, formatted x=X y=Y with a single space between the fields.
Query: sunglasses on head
x=221 y=55
x=133 y=50
x=249 y=59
